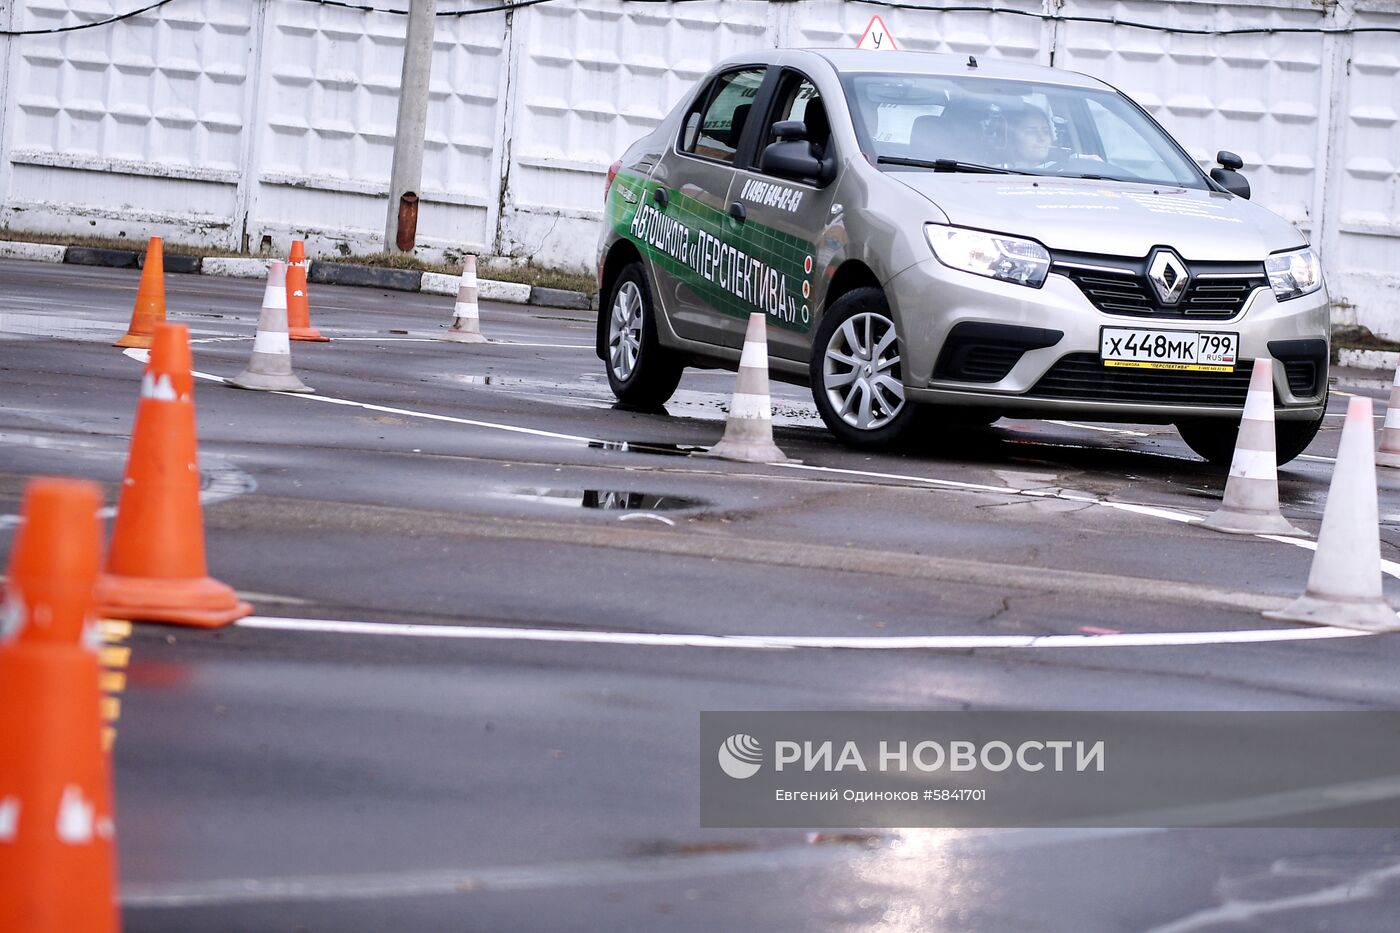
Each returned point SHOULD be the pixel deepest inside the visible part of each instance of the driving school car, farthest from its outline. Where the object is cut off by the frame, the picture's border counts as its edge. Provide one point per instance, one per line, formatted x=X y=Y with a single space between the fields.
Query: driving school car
x=935 y=234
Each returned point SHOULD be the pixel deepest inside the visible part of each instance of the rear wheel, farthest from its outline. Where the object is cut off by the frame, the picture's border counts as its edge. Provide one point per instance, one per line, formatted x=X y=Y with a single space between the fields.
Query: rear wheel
x=641 y=372
x=856 y=372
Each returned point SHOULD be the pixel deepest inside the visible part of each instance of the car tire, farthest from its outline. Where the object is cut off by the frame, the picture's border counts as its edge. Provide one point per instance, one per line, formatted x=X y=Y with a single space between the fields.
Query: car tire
x=641 y=372
x=1214 y=439
x=965 y=416
x=856 y=374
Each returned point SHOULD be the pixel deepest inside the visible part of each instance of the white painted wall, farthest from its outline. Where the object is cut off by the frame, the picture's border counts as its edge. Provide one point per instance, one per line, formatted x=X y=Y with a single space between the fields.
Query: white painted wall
x=226 y=121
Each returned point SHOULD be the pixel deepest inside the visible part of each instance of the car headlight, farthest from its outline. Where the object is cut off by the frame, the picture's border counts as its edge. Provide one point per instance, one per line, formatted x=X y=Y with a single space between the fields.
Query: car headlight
x=1024 y=262
x=1294 y=274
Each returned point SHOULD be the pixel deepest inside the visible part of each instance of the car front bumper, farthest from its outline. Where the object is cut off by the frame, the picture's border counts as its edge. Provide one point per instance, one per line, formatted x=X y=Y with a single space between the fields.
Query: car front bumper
x=929 y=300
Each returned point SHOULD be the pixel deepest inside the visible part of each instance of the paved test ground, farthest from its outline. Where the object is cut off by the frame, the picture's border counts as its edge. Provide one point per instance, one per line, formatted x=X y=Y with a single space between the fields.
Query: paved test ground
x=273 y=779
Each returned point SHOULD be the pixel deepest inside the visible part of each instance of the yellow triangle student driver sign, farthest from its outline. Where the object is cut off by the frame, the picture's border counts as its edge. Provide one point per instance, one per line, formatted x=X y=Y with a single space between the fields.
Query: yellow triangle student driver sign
x=876 y=36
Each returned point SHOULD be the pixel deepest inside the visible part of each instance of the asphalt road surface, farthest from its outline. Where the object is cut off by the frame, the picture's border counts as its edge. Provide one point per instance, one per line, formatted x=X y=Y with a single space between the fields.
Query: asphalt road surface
x=536 y=767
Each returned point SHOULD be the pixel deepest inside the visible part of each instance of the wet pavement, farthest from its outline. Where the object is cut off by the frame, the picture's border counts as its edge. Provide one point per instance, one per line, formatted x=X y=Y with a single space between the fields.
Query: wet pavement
x=274 y=779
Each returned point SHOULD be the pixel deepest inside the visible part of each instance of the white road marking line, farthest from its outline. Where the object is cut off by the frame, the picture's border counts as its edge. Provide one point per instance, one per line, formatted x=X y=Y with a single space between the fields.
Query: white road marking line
x=398 y=338
x=1094 y=427
x=787 y=642
x=1390 y=567
x=872 y=474
x=553 y=346
x=1387 y=566
x=143 y=356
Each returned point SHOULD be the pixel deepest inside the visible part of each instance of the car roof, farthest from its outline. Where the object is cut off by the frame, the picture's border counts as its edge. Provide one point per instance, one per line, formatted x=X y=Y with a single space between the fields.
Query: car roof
x=847 y=60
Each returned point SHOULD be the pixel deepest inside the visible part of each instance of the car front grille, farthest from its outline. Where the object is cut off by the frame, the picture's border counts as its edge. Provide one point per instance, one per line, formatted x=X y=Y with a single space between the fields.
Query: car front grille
x=1114 y=285
x=1081 y=376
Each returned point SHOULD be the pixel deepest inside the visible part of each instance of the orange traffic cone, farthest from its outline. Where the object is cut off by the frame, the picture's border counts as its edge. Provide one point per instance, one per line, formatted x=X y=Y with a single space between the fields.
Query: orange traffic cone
x=155 y=566
x=150 y=299
x=298 y=302
x=57 y=851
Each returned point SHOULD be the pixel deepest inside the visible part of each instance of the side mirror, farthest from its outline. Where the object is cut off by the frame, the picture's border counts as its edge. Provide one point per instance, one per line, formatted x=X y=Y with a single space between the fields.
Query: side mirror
x=792 y=156
x=790 y=130
x=1227 y=175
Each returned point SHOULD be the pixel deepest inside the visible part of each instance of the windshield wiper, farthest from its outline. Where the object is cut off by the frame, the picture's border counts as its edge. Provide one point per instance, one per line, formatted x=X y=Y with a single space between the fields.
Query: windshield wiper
x=949 y=165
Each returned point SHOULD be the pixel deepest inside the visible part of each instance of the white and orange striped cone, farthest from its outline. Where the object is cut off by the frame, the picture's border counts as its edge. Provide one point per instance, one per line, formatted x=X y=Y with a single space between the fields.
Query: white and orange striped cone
x=270 y=367
x=466 y=317
x=748 y=434
x=1344 y=584
x=1389 y=453
x=1251 y=491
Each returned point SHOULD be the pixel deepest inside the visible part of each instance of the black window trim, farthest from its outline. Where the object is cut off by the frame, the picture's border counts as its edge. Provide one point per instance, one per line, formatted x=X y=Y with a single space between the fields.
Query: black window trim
x=751 y=163
x=742 y=153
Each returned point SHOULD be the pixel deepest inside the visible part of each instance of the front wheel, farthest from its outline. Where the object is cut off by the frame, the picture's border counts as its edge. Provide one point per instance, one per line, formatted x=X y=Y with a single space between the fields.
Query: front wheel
x=1214 y=439
x=856 y=372
x=641 y=371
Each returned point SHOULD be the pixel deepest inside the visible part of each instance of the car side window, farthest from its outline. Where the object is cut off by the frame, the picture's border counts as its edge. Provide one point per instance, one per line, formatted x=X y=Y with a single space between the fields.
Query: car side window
x=715 y=124
x=799 y=99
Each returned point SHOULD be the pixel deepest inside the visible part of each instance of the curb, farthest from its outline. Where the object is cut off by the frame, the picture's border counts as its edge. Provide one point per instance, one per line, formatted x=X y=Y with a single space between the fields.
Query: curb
x=438 y=283
x=111 y=258
x=34 y=252
x=321 y=272
x=1369 y=359
x=559 y=298
x=344 y=273
x=235 y=268
x=178 y=265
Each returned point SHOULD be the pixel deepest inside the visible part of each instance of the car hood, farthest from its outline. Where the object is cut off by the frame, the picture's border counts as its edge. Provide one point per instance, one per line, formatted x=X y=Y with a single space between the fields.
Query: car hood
x=1109 y=218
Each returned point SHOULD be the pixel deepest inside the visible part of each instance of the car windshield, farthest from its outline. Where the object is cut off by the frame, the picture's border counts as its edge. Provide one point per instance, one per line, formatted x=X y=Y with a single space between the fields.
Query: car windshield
x=968 y=123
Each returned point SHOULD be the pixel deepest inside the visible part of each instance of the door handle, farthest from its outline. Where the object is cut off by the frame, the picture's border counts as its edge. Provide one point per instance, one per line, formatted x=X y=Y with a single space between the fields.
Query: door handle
x=661 y=197
x=736 y=210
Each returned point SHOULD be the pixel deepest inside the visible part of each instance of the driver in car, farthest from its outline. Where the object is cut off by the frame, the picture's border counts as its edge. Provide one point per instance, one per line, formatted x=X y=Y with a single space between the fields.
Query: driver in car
x=1029 y=137
x=1029 y=141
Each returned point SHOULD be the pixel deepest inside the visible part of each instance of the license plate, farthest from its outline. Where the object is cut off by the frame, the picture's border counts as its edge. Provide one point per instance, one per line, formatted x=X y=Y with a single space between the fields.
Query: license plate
x=1168 y=349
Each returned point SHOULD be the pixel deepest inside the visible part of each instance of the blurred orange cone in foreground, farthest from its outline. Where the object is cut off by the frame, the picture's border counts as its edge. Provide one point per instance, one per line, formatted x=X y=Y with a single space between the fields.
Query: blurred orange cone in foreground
x=298 y=300
x=150 y=299
x=155 y=566
x=57 y=851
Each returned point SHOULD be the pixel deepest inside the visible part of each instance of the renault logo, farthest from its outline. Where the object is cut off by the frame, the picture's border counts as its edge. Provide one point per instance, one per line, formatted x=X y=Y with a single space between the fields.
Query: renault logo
x=1168 y=275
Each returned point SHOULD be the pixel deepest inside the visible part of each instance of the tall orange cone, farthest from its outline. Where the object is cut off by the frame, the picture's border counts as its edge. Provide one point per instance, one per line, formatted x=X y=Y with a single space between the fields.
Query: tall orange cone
x=298 y=297
x=155 y=565
x=748 y=434
x=150 y=299
x=57 y=847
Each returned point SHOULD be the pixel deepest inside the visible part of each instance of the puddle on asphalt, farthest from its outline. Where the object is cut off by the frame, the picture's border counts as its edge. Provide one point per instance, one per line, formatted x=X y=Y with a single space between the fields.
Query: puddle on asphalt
x=643 y=447
x=606 y=499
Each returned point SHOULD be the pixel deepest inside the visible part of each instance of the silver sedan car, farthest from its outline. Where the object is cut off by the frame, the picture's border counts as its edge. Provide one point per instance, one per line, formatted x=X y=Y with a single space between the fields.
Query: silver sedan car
x=934 y=235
